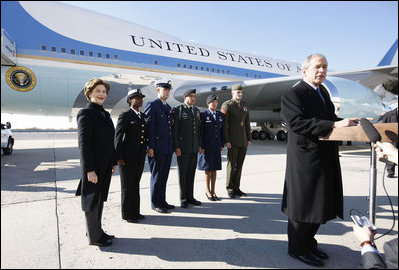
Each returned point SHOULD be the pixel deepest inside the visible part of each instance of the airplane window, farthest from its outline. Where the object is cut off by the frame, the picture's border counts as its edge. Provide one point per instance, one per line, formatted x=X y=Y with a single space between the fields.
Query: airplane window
x=99 y=55
x=155 y=62
x=116 y=57
x=63 y=50
x=246 y=74
x=207 y=69
x=91 y=54
x=73 y=51
x=43 y=47
x=178 y=65
x=228 y=72
x=107 y=56
x=191 y=67
x=213 y=70
x=184 y=65
x=224 y=88
x=213 y=89
x=202 y=68
x=218 y=71
x=223 y=71
x=196 y=67
x=82 y=53
x=53 y=49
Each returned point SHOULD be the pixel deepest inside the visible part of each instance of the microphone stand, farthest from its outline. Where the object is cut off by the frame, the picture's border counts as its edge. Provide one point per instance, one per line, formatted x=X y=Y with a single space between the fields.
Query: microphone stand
x=373 y=184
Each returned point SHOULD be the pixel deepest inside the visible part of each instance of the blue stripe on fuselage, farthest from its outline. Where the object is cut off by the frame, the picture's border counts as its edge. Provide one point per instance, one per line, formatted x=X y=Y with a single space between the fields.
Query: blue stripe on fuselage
x=29 y=41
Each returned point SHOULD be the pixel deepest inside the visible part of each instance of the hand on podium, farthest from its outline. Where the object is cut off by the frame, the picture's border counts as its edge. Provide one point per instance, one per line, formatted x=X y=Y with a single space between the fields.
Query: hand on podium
x=346 y=122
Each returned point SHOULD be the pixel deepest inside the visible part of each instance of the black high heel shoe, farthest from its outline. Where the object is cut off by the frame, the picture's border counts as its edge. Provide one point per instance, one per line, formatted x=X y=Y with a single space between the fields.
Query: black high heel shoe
x=209 y=198
x=216 y=198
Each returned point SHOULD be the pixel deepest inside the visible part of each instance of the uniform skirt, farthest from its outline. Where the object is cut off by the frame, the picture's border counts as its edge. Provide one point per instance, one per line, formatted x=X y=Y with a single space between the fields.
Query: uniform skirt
x=210 y=161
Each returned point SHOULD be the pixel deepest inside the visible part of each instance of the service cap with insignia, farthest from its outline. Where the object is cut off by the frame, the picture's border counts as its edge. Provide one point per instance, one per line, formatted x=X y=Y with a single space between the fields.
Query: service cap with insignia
x=236 y=87
x=189 y=92
x=164 y=84
x=134 y=93
x=211 y=98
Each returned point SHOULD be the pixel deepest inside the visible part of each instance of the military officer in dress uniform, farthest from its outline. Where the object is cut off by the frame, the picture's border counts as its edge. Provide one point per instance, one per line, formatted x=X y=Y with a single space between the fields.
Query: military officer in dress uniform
x=212 y=143
x=186 y=142
x=237 y=136
x=160 y=145
x=131 y=147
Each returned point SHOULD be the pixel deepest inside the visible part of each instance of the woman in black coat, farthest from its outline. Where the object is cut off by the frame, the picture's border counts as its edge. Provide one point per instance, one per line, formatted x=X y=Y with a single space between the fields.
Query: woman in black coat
x=97 y=159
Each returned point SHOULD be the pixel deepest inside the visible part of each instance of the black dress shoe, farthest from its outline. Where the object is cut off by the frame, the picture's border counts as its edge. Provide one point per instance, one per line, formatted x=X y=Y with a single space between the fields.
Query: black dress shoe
x=108 y=236
x=210 y=197
x=307 y=258
x=319 y=254
x=391 y=175
x=132 y=220
x=101 y=243
x=240 y=193
x=184 y=204
x=194 y=202
x=231 y=194
x=160 y=210
x=139 y=216
x=169 y=206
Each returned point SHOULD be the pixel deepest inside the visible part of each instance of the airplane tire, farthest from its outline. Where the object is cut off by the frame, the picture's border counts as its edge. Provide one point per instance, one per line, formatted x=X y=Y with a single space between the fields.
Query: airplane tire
x=8 y=149
x=255 y=135
x=281 y=136
x=262 y=135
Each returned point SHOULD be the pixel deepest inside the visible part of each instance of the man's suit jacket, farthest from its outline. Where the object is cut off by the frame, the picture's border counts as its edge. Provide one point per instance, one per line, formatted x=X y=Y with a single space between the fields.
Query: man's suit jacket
x=97 y=153
x=373 y=260
x=131 y=135
x=313 y=184
x=159 y=127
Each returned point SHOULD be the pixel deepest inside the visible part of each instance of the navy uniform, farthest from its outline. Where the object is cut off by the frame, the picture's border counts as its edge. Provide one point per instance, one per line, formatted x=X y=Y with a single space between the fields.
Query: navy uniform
x=237 y=132
x=131 y=141
x=187 y=136
x=159 y=119
x=211 y=138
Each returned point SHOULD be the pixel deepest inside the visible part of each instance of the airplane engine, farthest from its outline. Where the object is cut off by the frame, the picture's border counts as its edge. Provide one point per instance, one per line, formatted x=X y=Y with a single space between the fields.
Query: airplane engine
x=352 y=99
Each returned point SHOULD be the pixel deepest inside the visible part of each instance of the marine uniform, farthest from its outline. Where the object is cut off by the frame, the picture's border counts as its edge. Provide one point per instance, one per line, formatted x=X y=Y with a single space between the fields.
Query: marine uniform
x=237 y=132
x=187 y=137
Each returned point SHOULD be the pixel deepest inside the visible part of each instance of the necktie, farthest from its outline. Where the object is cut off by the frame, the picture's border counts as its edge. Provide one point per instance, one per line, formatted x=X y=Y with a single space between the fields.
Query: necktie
x=138 y=114
x=319 y=92
x=214 y=115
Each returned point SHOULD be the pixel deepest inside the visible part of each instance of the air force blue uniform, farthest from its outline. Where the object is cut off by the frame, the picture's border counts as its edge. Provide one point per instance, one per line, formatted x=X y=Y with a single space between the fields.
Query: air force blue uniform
x=159 y=139
x=211 y=141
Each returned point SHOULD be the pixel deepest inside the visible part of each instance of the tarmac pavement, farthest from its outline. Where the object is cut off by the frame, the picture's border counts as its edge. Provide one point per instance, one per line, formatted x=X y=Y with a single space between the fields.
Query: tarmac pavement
x=42 y=224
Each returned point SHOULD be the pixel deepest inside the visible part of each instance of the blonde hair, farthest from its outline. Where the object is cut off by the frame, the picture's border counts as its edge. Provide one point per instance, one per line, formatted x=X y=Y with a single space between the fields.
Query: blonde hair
x=91 y=84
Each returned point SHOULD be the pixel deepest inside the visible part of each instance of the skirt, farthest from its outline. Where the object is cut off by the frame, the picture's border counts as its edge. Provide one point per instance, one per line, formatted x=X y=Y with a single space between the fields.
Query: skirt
x=210 y=161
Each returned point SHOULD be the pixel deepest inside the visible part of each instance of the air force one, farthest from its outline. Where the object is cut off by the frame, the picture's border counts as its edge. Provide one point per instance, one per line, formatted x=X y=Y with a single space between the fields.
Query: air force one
x=49 y=50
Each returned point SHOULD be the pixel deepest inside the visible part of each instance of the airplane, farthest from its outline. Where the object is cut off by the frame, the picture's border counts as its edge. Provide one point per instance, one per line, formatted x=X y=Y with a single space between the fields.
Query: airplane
x=46 y=58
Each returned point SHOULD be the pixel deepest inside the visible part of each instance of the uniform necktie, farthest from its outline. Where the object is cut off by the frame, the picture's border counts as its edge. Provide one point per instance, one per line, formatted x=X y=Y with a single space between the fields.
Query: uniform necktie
x=319 y=92
x=214 y=115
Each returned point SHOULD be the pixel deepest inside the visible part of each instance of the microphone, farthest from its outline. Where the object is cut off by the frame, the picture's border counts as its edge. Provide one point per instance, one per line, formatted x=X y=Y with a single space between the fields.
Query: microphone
x=371 y=132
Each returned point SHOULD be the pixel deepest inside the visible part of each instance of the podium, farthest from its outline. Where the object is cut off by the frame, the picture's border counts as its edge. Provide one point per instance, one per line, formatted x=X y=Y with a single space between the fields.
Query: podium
x=388 y=132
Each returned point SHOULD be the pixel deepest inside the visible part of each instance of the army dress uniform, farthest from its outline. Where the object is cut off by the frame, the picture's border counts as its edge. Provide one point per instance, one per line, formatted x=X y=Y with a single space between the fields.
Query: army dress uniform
x=160 y=139
x=186 y=136
x=211 y=141
x=237 y=132
x=131 y=139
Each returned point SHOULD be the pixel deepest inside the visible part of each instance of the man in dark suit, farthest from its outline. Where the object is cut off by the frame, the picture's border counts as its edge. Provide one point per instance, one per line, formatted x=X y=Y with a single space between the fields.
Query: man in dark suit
x=131 y=141
x=160 y=145
x=391 y=117
x=313 y=185
x=186 y=142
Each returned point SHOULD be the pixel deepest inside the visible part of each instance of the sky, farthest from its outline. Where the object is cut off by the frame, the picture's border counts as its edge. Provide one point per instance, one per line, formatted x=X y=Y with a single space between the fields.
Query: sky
x=352 y=35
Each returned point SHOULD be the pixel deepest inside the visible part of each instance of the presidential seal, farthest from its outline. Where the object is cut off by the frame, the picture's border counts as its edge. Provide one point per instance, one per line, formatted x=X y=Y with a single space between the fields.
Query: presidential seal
x=21 y=78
